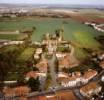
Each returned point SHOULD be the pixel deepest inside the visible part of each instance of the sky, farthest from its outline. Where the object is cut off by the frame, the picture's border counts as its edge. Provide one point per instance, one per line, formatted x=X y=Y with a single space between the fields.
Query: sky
x=92 y=2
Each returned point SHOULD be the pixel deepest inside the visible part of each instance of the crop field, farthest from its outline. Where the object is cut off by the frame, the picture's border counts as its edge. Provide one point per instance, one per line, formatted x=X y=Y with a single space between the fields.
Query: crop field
x=75 y=31
x=9 y=36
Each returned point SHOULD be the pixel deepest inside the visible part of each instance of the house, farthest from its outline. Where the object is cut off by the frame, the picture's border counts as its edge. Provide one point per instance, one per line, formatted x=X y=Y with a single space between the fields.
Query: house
x=13 y=42
x=88 y=75
x=50 y=49
x=22 y=90
x=65 y=95
x=42 y=65
x=60 y=55
x=70 y=81
x=60 y=95
x=64 y=62
x=41 y=98
x=102 y=64
x=39 y=51
x=34 y=74
x=102 y=78
x=90 y=89
x=48 y=42
x=36 y=56
x=51 y=97
x=63 y=75
x=101 y=56
x=68 y=61
x=31 y=74
x=76 y=78
x=8 y=92
x=16 y=91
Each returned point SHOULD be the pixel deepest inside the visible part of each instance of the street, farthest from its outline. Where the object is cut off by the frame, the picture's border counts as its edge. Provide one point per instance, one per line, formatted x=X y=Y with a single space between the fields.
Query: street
x=51 y=64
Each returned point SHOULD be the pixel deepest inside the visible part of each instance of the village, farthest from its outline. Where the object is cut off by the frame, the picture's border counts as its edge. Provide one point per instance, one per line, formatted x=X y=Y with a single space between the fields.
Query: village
x=54 y=56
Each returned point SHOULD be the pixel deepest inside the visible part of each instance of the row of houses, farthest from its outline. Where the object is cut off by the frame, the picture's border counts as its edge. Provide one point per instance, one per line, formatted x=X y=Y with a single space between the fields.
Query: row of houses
x=13 y=42
x=87 y=90
x=90 y=89
x=66 y=80
x=95 y=26
x=77 y=79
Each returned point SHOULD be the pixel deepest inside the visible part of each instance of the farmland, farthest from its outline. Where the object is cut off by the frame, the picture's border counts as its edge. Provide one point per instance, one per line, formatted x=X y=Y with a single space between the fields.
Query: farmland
x=75 y=31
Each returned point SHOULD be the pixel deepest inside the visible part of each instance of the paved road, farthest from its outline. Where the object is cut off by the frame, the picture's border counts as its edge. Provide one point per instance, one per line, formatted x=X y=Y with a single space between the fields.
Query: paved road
x=51 y=64
x=78 y=94
x=72 y=50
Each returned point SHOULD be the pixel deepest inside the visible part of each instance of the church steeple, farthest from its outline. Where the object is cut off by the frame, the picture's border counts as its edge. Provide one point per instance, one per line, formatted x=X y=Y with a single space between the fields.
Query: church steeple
x=61 y=32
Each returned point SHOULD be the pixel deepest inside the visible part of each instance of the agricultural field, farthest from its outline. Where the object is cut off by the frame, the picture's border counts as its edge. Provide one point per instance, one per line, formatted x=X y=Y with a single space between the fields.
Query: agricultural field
x=80 y=34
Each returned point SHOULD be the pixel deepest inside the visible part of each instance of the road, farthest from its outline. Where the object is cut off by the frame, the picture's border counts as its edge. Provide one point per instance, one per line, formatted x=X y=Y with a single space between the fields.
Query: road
x=51 y=64
x=72 y=50
x=78 y=94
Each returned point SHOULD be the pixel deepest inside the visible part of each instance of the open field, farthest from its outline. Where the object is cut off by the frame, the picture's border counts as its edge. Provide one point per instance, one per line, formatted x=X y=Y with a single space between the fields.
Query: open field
x=9 y=36
x=26 y=54
x=75 y=31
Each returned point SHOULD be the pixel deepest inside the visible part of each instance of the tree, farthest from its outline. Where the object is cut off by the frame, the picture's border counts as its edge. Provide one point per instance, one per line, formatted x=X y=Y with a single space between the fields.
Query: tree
x=59 y=32
x=48 y=81
x=34 y=84
x=5 y=67
x=66 y=70
x=35 y=69
x=34 y=28
x=56 y=66
x=10 y=64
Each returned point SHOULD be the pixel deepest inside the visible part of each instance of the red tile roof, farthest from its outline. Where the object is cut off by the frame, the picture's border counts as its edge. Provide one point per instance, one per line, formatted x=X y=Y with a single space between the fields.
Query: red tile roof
x=17 y=91
x=89 y=87
x=42 y=65
x=89 y=74
x=32 y=74
x=68 y=61
x=102 y=64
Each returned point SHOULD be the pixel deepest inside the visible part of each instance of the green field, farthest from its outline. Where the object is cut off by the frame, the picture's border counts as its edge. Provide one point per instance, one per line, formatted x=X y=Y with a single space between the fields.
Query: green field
x=26 y=54
x=73 y=30
x=9 y=36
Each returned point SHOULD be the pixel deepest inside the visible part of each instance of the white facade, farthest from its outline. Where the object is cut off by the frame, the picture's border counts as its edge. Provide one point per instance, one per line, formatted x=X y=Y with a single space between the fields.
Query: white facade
x=77 y=81
x=71 y=83
x=60 y=55
x=39 y=51
x=13 y=42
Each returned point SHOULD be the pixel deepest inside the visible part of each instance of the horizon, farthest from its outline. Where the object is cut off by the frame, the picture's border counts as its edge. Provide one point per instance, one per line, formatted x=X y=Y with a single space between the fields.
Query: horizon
x=53 y=2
